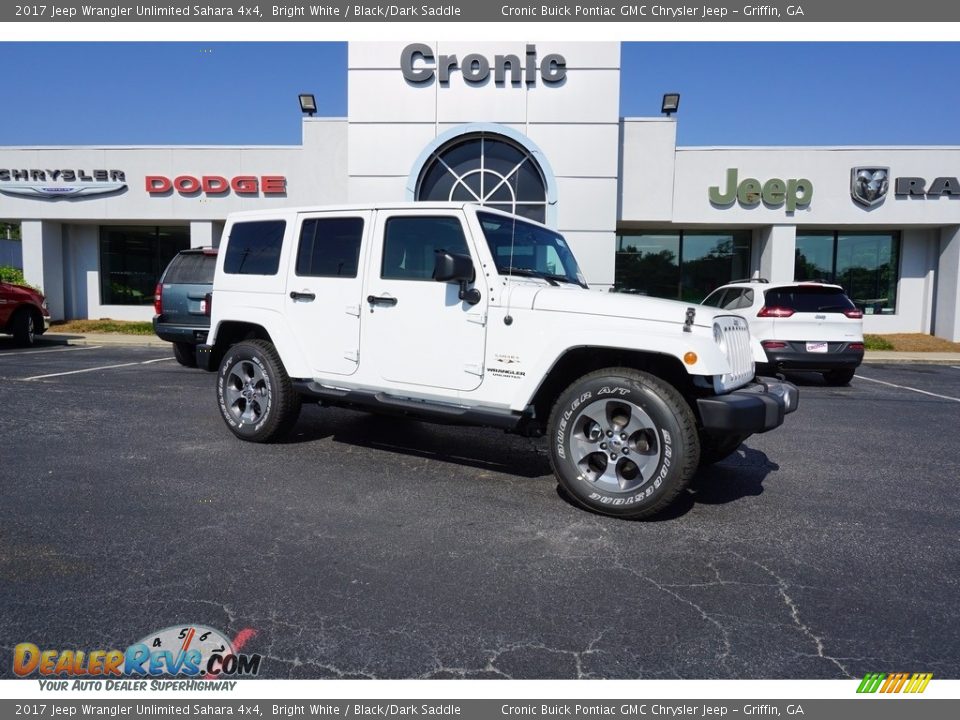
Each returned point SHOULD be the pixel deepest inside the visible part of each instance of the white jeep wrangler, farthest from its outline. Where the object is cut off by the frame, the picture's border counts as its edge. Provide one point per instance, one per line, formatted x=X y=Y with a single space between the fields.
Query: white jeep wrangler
x=460 y=314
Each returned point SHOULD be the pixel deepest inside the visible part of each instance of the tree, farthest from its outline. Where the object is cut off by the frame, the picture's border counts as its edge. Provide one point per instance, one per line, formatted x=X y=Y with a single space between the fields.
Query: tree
x=10 y=231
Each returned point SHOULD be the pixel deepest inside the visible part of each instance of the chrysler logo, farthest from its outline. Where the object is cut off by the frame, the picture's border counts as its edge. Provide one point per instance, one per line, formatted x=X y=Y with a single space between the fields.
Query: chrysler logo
x=51 y=190
x=868 y=185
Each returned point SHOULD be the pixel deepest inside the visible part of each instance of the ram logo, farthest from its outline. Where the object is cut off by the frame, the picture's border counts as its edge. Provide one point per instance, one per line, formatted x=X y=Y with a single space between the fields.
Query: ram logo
x=868 y=185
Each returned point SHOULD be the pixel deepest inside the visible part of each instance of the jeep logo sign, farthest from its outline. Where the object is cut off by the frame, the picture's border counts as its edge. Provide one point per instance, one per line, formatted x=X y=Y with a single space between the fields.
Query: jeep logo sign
x=419 y=65
x=793 y=193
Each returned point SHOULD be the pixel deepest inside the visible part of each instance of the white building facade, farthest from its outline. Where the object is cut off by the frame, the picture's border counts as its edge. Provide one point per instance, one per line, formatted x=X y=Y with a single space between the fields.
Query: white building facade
x=531 y=127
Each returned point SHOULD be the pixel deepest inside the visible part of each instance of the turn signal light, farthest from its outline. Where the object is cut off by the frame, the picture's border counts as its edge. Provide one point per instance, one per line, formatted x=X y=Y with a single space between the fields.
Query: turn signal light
x=690 y=358
x=854 y=313
x=158 y=299
x=775 y=312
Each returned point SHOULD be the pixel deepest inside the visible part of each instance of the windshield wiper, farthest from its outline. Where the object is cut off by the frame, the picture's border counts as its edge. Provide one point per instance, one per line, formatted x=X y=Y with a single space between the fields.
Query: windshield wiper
x=565 y=279
x=551 y=278
x=832 y=307
x=526 y=272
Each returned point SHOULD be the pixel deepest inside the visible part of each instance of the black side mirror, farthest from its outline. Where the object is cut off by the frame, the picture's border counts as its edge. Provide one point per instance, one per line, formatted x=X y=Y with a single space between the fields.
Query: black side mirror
x=453 y=267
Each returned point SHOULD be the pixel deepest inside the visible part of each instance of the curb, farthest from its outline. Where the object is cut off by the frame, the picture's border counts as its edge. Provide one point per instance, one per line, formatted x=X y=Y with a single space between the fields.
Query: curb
x=109 y=340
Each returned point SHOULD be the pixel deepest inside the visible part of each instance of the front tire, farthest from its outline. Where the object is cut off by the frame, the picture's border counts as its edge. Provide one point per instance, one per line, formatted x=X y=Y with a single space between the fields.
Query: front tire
x=255 y=396
x=839 y=377
x=185 y=353
x=24 y=328
x=623 y=442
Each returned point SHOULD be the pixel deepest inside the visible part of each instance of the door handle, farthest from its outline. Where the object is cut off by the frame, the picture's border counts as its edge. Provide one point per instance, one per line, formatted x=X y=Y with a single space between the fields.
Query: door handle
x=308 y=296
x=380 y=300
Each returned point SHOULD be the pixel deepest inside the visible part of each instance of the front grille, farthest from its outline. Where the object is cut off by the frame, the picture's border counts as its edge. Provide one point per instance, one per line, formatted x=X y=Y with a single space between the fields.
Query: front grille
x=735 y=342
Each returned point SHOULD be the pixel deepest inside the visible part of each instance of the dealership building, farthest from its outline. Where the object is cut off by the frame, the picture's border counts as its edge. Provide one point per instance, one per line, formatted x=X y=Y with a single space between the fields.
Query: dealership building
x=533 y=128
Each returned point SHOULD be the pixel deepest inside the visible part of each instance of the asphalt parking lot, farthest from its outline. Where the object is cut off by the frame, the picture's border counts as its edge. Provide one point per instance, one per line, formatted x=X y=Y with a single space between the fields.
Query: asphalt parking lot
x=376 y=547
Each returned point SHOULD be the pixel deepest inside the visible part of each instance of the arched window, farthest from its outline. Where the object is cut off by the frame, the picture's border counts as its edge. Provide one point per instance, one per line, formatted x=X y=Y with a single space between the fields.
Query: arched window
x=486 y=168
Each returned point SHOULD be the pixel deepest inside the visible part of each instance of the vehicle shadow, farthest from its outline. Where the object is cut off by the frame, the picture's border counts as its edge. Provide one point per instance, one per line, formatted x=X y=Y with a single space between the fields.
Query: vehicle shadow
x=734 y=478
x=484 y=449
x=738 y=476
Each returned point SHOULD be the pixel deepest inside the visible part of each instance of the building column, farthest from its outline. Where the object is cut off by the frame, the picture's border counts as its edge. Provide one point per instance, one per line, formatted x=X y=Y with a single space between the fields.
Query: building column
x=43 y=260
x=205 y=233
x=947 y=308
x=777 y=252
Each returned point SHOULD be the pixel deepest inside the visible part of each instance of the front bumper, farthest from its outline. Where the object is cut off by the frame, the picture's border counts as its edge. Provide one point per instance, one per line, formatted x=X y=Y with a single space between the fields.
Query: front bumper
x=754 y=408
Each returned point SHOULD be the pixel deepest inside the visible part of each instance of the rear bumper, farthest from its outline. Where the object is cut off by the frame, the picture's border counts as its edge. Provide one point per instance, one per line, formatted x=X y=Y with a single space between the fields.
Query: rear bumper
x=795 y=357
x=754 y=408
x=192 y=334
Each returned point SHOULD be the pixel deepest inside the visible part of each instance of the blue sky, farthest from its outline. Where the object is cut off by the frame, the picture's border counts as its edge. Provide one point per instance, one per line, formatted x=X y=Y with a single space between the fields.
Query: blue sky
x=784 y=93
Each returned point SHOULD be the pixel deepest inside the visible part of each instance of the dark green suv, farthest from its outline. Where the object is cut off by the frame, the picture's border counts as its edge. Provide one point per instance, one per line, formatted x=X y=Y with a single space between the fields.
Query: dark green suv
x=182 y=302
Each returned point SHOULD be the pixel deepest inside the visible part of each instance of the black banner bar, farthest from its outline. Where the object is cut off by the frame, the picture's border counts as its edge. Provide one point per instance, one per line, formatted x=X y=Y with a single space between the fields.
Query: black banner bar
x=484 y=11
x=872 y=708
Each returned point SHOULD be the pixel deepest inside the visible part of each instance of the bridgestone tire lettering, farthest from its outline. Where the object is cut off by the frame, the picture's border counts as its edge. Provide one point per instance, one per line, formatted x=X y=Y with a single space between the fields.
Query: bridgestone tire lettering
x=674 y=425
x=281 y=404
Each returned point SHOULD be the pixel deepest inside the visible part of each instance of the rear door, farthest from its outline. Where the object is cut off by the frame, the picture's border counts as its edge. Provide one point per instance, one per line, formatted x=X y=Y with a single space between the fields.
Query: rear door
x=324 y=289
x=186 y=282
x=818 y=315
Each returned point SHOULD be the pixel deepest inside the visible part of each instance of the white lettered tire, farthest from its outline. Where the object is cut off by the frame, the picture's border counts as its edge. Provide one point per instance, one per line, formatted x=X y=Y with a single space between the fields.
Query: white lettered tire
x=623 y=442
x=254 y=393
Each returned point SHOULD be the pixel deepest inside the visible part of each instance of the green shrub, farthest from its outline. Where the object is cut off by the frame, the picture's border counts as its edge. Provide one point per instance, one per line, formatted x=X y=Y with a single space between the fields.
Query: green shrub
x=876 y=342
x=10 y=274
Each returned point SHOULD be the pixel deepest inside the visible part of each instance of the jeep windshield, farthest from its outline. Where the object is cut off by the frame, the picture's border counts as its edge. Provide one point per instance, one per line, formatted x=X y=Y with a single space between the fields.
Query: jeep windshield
x=526 y=250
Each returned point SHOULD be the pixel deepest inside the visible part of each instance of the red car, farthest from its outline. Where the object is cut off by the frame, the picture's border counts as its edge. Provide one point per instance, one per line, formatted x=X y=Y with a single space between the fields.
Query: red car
x=23 y=313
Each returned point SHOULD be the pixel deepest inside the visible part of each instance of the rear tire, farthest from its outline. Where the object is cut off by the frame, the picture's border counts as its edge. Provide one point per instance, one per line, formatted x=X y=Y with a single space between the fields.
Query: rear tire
x=255 y=396
x=839 y=377
x=24 y=328
x=185 y=353
x=623 y=442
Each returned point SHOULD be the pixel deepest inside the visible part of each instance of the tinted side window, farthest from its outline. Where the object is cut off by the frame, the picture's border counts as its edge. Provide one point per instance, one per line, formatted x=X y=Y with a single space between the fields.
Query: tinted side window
x=193 y=268
x=714 y=299
x=254 y=248
x=410 y=243
x=329 y=247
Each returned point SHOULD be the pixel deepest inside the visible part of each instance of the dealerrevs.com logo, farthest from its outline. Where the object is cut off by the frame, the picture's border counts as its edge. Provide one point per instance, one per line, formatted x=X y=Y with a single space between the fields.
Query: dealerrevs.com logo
x=191 y=651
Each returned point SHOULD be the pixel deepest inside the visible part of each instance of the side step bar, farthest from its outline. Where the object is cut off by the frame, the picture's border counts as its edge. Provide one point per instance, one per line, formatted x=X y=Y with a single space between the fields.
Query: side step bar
x=422 y=409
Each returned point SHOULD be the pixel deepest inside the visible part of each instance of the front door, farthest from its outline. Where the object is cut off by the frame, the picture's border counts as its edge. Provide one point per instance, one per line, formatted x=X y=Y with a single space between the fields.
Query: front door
x=416 y=330
x=324 y=290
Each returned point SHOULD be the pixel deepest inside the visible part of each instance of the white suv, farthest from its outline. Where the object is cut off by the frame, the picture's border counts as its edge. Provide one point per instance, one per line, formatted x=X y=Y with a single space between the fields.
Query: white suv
x=797 y=325
x=465 y=315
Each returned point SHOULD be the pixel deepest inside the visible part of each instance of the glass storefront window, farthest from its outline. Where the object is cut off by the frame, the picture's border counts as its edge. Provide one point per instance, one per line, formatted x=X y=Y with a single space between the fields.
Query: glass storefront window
x=684 y=265
x=814 y=257
x=648 y=264
x=133 y=258
x=865 y=264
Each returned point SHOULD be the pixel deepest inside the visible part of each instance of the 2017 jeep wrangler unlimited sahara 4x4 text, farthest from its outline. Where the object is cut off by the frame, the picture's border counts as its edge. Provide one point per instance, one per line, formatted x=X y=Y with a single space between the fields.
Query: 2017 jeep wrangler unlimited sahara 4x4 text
x=461 y=314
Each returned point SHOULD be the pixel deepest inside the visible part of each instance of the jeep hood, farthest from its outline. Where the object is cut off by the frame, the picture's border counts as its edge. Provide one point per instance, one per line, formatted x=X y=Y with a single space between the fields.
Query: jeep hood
x=571 y=299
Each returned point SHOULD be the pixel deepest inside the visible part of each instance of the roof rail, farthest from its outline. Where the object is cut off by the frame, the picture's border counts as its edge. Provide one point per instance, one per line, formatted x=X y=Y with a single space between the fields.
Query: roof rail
x=750 y=280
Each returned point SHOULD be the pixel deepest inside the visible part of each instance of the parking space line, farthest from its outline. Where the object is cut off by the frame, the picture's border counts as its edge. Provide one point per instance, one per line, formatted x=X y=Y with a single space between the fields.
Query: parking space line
x=37 y=352
x=102 y=367
x=905 y=387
